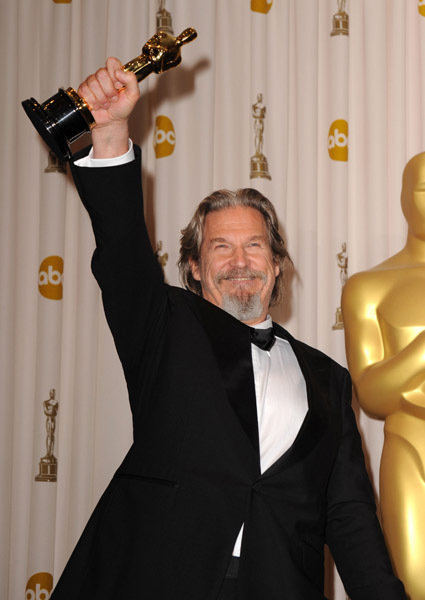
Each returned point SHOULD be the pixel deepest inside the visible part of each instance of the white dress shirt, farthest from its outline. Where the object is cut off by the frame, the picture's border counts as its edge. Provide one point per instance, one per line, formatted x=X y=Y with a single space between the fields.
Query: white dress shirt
x=280 y=388
x=89 y=161
x=282 y=405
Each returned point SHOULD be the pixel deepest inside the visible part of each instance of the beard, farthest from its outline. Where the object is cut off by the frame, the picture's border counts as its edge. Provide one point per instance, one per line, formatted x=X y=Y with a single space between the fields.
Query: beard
x=246 y=308
x=240 y=303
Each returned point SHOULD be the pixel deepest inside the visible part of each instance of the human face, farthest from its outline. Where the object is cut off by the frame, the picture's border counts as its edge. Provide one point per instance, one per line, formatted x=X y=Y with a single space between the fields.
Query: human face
x=236 y=266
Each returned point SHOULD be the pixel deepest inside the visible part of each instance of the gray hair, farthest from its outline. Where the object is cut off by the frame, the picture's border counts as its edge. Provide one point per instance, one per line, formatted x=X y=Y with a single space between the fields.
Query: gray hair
x=192 y=235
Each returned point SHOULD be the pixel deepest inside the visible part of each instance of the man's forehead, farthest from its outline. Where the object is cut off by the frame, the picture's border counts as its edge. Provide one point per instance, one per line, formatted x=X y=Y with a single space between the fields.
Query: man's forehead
x=235 y=219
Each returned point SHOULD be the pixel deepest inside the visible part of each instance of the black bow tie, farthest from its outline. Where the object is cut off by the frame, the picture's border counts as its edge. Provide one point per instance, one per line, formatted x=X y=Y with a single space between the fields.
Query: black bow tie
x=263 y=338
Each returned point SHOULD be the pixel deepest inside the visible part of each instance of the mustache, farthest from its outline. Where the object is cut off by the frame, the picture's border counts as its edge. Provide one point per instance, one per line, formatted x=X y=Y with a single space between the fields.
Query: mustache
x=245 y=273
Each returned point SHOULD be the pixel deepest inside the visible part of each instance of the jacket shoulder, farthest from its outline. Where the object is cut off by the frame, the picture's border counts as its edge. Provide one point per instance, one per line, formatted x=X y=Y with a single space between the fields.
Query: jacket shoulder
x=311 y=355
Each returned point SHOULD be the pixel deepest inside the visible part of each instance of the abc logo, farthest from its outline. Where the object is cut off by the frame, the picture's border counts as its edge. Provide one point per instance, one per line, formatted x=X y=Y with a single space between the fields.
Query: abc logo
x=261 y=6
x=39 y=587
x=338 y=140
x=421 y=7
x=50 y=278
x=164 y=138
x=62 y=1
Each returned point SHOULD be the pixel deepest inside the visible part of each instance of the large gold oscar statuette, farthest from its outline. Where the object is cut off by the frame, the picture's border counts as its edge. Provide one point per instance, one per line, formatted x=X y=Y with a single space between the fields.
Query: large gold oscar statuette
x=48 y=463
x=384 y=320
x=65 y=117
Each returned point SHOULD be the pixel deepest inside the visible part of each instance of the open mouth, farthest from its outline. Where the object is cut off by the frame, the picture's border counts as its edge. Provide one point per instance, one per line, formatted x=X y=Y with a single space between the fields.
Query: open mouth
x=240 y=279
x=238 y=276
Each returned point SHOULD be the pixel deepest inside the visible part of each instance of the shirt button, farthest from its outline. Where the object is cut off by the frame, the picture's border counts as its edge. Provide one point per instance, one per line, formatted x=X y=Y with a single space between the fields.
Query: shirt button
x=256 y=487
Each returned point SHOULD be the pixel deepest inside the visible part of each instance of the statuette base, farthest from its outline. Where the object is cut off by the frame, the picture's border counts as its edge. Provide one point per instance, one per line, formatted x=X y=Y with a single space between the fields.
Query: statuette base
x=48 y=469
x=259 y=167
x=339 y=324
x=340 y=24
x=60 y=120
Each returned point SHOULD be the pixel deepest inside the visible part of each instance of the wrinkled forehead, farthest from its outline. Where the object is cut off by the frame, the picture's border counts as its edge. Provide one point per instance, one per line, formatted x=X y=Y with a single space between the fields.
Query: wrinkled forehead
x=235 y=220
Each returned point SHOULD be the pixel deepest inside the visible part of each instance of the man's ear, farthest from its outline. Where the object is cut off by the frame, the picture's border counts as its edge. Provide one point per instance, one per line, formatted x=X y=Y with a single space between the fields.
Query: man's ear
x=194 y=267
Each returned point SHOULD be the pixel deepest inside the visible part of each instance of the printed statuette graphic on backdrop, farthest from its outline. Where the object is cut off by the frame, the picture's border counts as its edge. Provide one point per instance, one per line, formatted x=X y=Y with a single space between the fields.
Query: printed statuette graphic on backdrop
x=342 y=260
x=55 y=165
x=340 y=20
x=259 y=165
x=161 y=258
x=164 y=21
x=48 y=463
x=65 y=117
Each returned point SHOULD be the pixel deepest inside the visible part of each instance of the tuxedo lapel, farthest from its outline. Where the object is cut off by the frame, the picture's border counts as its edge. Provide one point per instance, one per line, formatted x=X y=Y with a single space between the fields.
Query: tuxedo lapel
x=231 y=343
x=315 y=373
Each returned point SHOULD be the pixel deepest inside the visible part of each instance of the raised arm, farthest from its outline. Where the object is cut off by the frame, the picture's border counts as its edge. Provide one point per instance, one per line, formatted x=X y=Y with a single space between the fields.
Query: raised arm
x=131 y=280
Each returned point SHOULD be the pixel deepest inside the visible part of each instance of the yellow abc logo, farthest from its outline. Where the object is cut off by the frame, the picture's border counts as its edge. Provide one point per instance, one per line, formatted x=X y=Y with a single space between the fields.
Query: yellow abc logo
x=164 y=137
x=50 y=278
x=338 y=140
x=261 y=6
x=62 y=1
x=39 y=587
x=421 y=7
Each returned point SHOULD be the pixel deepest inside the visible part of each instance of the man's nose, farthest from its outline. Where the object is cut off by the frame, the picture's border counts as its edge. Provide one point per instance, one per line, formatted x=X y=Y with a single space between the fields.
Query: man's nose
x=239 y=257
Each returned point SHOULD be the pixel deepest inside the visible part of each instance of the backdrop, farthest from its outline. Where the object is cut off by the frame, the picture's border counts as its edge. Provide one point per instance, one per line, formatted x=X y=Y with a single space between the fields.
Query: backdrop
x=321 y=98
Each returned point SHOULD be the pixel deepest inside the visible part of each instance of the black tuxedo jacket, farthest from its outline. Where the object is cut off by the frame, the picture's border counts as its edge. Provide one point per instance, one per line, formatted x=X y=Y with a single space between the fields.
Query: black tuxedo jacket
x=166 y=525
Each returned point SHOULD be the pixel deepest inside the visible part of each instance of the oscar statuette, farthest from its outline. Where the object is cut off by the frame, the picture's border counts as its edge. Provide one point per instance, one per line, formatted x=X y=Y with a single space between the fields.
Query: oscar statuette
x=65 y=117
x=259 y=165
x=340 y=20
x=49 y=463
x=342 y=259
x=164 y=20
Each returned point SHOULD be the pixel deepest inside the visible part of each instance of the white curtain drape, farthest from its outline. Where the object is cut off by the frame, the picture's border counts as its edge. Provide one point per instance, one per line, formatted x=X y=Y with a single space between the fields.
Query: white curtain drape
x=342 y=117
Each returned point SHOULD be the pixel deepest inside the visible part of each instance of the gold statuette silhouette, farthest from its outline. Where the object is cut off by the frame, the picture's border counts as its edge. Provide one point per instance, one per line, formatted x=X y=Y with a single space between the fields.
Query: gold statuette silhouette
x=384 y=320
x=342 y=260
x=164 y=20
x=259 y=165
x=65 y=117
x=340 y=20
x=48 y=463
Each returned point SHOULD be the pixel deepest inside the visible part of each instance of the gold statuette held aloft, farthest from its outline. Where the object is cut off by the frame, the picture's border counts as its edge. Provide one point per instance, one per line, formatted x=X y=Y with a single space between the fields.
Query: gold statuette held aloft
x=160 y=53
x=65 y=117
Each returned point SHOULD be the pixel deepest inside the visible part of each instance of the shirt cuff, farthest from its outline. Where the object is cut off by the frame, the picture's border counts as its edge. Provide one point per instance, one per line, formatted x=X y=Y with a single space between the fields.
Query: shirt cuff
x=89 y=161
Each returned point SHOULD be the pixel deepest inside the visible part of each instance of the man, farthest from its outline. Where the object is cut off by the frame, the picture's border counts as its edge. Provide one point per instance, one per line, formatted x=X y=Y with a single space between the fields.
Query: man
x=245 y=460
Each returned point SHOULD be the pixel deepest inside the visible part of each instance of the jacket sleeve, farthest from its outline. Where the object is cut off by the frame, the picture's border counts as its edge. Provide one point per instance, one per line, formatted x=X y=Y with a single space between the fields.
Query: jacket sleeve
x=353 y=532
x=131 y=280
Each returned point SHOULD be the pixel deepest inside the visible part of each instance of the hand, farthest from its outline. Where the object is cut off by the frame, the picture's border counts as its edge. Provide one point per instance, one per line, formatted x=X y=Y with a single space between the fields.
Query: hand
x=111 y=94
